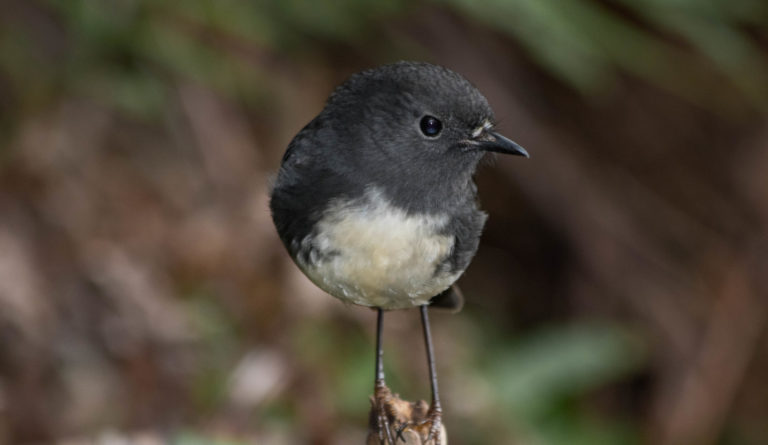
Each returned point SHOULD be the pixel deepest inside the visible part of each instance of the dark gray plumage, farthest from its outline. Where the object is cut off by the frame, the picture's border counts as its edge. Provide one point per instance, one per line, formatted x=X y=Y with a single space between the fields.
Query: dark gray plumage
x=376 y=204
x=368 y=137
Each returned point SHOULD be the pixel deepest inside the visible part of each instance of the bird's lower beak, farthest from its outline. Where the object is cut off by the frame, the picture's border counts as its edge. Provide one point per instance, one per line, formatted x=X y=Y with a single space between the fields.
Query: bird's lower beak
x=492 y=141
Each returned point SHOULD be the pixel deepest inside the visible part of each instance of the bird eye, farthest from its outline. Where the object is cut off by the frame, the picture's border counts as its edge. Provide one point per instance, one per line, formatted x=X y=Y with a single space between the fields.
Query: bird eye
x=430 y=126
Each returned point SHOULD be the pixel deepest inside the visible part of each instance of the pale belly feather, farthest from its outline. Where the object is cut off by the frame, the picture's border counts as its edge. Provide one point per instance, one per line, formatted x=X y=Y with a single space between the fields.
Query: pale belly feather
x=373 y=254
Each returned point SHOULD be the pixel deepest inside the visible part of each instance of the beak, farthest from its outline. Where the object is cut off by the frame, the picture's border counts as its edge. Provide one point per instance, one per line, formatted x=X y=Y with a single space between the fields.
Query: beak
x=492 y=141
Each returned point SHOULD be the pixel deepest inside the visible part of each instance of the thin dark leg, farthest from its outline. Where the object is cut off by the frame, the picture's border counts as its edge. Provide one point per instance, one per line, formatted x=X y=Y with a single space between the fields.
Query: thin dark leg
x=379 y=349
x=435 y=409
x=430 y=357
x=385 y=434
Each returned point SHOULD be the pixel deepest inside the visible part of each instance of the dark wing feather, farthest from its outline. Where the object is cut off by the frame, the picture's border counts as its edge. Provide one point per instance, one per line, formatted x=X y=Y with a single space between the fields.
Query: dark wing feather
x=451 y=298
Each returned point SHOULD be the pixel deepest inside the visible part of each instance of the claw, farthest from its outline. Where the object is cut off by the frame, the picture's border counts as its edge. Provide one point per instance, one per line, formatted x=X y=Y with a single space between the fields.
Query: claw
x=385 y=433
x=399 y=432
x=380 y=411
x=434 y=419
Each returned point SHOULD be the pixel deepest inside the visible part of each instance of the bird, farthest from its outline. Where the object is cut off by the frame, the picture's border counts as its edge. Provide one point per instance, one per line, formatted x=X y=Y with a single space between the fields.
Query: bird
x=375 y=198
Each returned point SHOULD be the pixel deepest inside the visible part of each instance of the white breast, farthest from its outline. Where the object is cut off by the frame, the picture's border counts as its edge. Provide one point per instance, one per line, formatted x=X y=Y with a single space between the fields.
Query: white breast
x=371 y=253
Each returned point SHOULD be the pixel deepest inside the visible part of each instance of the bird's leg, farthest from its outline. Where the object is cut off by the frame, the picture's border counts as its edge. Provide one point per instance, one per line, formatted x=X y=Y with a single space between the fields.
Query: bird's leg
x=434 y=416
x=381 y=393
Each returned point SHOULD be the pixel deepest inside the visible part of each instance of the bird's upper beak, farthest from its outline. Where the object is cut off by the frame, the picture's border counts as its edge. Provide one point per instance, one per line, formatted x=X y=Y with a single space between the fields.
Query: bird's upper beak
x=492 y=141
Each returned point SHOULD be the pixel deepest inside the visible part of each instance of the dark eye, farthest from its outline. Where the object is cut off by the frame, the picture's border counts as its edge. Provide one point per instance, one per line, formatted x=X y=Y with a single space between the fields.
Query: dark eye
x=430 y=126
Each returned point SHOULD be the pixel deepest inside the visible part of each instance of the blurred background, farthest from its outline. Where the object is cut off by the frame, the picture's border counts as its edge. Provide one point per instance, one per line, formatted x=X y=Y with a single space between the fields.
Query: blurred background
x=620 y=294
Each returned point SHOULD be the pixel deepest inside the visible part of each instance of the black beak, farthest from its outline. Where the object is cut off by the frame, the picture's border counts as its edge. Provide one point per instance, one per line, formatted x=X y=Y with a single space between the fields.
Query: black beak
x=492 y=141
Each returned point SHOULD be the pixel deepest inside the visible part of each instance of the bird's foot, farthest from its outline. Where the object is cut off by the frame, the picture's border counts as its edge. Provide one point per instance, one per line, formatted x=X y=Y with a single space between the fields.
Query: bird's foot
x=434 y=422
x=394 y=421
x=382 y=416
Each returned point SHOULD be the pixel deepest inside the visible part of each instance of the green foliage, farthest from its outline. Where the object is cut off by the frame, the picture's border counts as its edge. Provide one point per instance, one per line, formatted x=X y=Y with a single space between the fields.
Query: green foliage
x=541 y=380
x=586 y=43
x=717 y=29
x=129 y=53
x=125 y=52
x=557 y=363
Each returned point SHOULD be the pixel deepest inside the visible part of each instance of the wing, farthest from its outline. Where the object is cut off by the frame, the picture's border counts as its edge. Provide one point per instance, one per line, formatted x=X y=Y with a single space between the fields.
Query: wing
x=451 y=298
